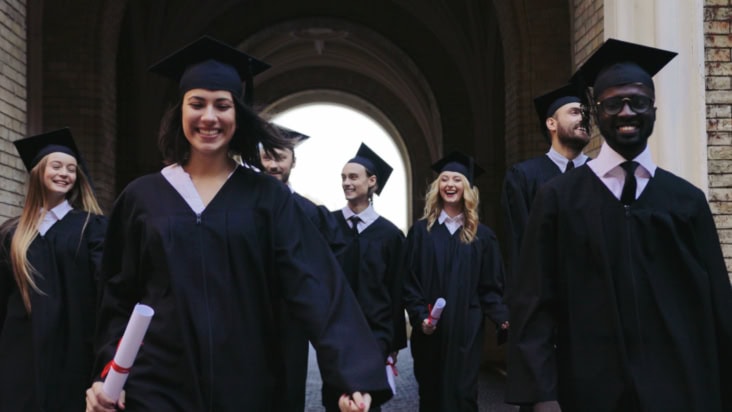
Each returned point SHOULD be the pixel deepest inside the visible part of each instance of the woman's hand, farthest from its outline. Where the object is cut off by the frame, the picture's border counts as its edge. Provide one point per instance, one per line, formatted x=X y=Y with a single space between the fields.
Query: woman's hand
x=504 y=325
x=97 y=401
x=357 y=402
x=427 y=327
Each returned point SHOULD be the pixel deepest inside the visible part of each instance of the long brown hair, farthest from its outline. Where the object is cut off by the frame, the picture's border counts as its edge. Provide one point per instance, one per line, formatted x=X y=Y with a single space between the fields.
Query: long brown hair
x=433 y=205
x=81 y=196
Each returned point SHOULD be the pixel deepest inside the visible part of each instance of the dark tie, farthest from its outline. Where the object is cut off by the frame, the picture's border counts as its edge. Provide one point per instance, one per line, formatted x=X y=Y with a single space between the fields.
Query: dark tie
x=570 y=166
x=354 y=224
x=630 y=185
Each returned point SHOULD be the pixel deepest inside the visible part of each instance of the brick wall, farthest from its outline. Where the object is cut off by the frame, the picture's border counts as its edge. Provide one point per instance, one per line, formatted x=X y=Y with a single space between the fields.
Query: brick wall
x=12 y=104
x=588 y=35
x=718 y=62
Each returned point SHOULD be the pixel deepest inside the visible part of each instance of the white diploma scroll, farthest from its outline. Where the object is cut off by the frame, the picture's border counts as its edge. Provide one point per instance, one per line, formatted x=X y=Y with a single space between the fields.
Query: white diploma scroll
x=129 y=345
x=437 y=311
x=391 y=372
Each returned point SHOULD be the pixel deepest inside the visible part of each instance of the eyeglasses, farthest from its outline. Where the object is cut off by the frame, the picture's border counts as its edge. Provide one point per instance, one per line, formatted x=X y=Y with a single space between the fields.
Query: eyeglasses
x=638 y=104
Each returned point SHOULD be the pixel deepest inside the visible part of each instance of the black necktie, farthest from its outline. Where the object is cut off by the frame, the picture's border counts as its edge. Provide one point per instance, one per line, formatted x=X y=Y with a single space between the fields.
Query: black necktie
x=570 y=166
x=354 y=224
x=630 y=185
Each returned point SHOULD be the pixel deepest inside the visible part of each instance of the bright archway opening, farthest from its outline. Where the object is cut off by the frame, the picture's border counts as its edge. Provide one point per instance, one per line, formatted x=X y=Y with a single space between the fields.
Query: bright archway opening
x=336 y=131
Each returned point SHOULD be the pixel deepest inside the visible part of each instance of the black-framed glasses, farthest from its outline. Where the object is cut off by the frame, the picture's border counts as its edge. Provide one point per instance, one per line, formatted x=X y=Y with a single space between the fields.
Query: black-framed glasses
x=637 y=103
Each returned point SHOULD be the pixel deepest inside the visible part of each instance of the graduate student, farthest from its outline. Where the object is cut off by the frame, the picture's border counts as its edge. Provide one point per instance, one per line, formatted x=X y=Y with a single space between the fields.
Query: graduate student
x=295 y=348
x=451 y=255
x=214 y=247
x=623 y=301
x=371 y=257
x=49 y=261
x=564 y=124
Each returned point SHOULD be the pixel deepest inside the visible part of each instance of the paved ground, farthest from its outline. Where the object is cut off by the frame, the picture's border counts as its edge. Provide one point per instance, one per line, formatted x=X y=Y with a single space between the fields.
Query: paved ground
x=490 y=397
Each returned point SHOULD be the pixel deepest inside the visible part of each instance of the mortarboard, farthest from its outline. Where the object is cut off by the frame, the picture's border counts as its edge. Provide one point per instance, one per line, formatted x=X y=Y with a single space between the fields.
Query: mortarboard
x=210 y=64
x=293 y=136
x=34 y=148
x=374 y=164
x=547 y=104
x=460 y=163
x=617 y=62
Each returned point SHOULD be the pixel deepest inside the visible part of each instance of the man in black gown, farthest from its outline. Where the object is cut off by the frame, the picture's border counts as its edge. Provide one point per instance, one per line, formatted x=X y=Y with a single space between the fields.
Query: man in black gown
x=623 y=301
x=292 y=380
x=563 y=123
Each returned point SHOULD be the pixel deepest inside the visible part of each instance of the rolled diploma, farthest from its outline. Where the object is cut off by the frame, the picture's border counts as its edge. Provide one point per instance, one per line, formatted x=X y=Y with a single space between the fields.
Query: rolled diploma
x=127 y=349
x=437 y=310
x=390 y=374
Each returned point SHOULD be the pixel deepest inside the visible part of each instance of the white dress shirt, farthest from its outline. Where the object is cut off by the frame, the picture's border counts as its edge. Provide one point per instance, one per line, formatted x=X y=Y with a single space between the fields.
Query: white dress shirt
x=451 y=223
x=607 y=167
x=367 y=216
x=53 y=216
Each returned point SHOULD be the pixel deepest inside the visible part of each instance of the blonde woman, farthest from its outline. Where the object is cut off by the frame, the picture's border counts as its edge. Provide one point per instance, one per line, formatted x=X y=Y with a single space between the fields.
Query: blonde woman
x=48 y=271
x=451 y=255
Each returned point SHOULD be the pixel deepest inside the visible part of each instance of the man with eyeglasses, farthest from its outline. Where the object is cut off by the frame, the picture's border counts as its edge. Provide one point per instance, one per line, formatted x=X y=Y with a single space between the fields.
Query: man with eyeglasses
x=623 y=301
x=563 y=122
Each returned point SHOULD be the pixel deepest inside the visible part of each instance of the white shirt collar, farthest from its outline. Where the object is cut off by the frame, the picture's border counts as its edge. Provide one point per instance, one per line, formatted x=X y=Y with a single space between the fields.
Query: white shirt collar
x=53 y=216
x=451 y=223
x=608 y=159
x=183 y=184
x=367 y=216
x=562 y=161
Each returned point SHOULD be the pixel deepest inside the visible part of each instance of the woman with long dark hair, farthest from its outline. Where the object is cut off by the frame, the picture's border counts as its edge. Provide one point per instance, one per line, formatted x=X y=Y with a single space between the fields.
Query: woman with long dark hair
x=49 y=265
x=451 y=255
x=214 y=247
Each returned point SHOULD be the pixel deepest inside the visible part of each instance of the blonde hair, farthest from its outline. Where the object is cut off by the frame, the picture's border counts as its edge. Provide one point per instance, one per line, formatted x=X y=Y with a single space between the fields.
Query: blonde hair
x=433 y=205
x=81 y=196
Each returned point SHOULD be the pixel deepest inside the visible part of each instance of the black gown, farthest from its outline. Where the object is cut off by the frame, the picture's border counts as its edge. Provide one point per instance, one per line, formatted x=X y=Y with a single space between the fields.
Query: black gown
x=46 y=358
x=371 y=263
x=520 y=185
x=470 y=278
x=621 y=310
x=291 y=383
x=215 y=280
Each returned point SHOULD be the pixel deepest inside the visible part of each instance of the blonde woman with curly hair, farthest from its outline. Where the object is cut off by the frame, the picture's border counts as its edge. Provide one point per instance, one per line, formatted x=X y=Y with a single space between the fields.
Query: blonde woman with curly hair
x=451 y=255
x=48 y=271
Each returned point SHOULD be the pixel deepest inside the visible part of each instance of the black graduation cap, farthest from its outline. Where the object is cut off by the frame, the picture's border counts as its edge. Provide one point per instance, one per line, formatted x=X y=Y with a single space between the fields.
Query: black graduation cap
x=461 y=163
x=294 y=136
x=618 y=62
x=547 y=104
x=32 y=149
x=374 y=164
x=210 y=64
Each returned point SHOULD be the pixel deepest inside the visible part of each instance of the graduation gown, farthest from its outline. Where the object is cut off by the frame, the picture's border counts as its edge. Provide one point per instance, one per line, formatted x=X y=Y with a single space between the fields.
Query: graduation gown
x=294 y=341
x=215 y=280
x=621 y=309
x=374 y=273
x=520 y=185
x=46 y=358
x=469 y=277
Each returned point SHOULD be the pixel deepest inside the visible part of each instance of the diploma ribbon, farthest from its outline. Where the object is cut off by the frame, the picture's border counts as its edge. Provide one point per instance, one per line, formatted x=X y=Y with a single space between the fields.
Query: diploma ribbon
x=113 y=365
x=393 y=366
x=429 y=310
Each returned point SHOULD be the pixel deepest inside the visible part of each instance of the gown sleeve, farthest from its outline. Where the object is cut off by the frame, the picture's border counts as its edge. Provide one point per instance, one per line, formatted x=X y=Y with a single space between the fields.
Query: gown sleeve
x=320 y=298
x=532 y=369
x=119 y=285
x=516 y=214
x=490 y=286
x=396 y=282
x=96 y=231
x=413 y=299
x=707 y=238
